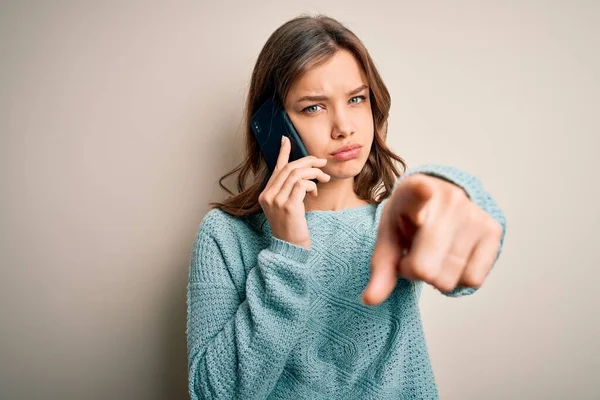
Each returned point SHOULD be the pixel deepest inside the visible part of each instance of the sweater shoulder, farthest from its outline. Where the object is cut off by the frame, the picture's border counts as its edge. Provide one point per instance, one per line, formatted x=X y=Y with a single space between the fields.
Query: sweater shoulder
x=217 y=223
x=231 y=233
x=223 y=247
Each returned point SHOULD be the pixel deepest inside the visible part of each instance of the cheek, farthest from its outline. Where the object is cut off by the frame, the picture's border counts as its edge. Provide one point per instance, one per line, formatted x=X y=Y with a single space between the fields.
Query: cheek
x=366 y=120
x=314 y=135
x=366 y=126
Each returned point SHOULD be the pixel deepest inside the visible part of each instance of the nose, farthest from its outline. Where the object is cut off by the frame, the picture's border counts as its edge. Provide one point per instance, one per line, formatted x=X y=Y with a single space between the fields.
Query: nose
x=341 y=124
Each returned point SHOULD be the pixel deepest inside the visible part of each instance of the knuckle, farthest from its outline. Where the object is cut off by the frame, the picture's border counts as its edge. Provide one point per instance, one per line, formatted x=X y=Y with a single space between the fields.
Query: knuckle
x=473 y=215
x=420 y=270
x=456 y=196
x=472 y=279
x=288 y=208
x=445 y=285
x=457 y=260
x=495 y=228
x=418 y=180
x=425 y=274
x=266 y=199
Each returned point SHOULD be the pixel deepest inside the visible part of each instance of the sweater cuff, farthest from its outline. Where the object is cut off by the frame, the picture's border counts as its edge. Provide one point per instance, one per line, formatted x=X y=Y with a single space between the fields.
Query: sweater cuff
x=289 y=250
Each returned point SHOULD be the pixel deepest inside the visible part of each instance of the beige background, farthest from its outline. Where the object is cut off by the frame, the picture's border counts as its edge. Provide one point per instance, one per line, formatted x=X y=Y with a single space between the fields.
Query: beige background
x=117 y=119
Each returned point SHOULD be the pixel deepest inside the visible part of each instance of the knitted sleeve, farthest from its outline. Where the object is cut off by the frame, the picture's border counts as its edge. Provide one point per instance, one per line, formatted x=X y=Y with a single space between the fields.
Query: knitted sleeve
x=238 y=343
x=474 y=189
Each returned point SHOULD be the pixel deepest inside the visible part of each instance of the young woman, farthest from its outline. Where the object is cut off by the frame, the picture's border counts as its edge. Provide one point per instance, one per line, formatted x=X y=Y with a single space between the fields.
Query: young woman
x=304 y=290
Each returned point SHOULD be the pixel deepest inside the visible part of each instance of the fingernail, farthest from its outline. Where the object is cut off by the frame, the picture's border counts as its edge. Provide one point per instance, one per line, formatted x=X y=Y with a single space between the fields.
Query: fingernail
x=364 y=300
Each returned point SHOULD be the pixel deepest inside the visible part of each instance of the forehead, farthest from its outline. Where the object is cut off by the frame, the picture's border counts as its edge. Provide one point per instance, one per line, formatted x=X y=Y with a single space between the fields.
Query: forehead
x=341 y=73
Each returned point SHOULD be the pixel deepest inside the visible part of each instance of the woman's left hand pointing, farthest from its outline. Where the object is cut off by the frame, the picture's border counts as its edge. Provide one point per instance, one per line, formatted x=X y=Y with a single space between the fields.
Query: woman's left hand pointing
x=431 y=231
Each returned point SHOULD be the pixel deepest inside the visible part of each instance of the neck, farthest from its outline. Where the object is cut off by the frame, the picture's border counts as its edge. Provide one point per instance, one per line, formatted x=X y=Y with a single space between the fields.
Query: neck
x=335 y=195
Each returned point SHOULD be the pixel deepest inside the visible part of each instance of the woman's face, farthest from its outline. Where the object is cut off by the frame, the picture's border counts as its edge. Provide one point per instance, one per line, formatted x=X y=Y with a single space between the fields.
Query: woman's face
x=330 y=108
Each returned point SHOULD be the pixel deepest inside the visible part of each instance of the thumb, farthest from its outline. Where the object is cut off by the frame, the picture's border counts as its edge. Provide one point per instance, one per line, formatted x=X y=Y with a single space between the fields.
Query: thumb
x=385 y=259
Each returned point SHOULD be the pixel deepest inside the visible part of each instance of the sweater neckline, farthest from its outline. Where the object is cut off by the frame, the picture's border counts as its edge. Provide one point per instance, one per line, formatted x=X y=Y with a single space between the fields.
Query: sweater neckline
x=348 y=210
x=311 y=215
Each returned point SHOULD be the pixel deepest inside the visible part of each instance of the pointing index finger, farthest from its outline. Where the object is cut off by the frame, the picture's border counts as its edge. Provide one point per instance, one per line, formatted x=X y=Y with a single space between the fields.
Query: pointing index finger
x=386 y=255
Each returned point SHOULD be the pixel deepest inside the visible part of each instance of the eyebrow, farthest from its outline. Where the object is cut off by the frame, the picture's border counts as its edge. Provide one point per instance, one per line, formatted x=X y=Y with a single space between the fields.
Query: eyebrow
x=322 y=98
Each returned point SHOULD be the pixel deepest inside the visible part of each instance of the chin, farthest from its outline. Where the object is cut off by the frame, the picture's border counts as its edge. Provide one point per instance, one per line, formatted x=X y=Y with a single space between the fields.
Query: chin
x=348 y=169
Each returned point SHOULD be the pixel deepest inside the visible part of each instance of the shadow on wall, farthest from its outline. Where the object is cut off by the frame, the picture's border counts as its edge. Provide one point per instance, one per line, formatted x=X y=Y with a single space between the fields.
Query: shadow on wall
x=225 y=152
x=174 y=347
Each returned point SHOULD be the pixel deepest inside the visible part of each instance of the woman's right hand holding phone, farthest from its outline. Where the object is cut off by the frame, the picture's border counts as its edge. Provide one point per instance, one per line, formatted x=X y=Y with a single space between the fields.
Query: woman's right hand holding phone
x=282 y=200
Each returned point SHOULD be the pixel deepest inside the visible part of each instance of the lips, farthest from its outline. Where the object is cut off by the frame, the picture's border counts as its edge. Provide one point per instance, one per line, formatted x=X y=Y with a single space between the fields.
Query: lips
x=346 y=148
x=347 y=152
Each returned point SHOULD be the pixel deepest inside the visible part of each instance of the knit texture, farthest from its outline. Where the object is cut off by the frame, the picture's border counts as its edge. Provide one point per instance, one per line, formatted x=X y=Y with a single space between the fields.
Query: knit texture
x=268 y=319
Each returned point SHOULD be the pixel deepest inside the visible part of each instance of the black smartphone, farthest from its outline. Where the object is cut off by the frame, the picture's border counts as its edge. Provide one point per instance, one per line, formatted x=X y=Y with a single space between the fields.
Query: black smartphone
x=269 y=123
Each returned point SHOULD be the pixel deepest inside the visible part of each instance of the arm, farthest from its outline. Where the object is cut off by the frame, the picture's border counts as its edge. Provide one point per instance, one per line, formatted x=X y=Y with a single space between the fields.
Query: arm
x=474 y=189
x=237 y=348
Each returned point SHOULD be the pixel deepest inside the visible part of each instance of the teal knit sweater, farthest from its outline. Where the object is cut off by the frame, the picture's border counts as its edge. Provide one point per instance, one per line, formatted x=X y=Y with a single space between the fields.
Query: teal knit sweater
x=268 y=319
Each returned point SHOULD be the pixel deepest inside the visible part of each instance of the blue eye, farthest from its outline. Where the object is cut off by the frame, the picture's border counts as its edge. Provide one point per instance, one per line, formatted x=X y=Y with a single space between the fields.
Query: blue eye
x=311 y=109
x=361 y=98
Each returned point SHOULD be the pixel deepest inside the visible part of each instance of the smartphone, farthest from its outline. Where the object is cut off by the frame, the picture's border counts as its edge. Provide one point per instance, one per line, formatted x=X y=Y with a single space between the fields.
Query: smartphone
x=269 y=124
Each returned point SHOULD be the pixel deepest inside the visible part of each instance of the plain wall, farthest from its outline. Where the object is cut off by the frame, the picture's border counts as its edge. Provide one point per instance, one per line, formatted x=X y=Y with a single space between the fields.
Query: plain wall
x=118 y=118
